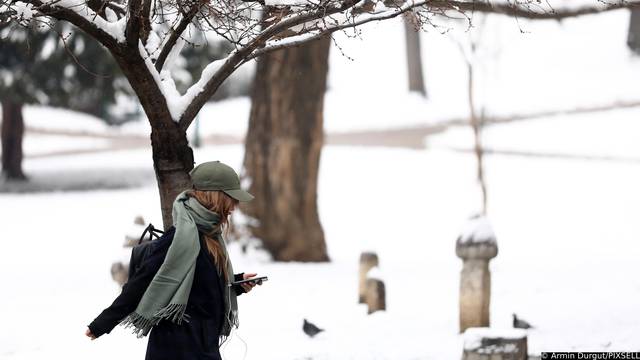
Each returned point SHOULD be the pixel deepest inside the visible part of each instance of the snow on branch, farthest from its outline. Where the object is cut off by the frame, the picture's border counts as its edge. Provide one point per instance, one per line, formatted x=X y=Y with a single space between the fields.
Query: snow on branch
x=176 y=102
x=176 y=35
x=21 y=12
x=77 y=12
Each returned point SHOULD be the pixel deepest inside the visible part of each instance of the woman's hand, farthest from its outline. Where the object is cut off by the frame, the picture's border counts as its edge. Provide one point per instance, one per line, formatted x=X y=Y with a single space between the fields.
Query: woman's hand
x=89 y=334
x=249 y=285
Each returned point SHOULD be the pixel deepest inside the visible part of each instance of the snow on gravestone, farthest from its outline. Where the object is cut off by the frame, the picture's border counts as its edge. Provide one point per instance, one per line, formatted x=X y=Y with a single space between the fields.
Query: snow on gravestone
x=481 y=343
x=476 y=245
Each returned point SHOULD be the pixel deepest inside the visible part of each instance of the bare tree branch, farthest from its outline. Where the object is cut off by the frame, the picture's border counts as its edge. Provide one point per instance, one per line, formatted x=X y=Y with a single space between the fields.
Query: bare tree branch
x=66 y=14
x=175 y=35
x=134 y=23
x=258 y=46
x=285 y=26
x=237 y=57
x=116 y=8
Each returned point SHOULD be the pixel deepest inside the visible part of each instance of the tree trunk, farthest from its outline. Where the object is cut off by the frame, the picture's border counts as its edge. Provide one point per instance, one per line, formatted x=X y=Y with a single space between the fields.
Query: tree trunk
x=172 y=161
x=283 y=146
x=172 y=156
x=12 y=134
x=414 y=57
x=633 y=38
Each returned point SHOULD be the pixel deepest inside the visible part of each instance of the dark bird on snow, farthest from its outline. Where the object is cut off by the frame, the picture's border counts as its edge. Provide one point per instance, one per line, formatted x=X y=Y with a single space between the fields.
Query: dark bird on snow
x=520 y=323
x=310 y=329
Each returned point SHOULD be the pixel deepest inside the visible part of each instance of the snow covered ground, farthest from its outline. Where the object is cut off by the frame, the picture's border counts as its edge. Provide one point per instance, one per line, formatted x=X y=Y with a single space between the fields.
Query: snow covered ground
x=567 y=232
x=566 y=226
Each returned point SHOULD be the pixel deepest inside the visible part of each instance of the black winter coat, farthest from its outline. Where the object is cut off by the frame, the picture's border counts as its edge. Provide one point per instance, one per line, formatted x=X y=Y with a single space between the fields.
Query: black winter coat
x=193 y=340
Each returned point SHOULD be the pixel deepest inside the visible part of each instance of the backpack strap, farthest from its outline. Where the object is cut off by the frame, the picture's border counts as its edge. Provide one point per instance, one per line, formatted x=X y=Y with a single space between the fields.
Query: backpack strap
x=152 y=232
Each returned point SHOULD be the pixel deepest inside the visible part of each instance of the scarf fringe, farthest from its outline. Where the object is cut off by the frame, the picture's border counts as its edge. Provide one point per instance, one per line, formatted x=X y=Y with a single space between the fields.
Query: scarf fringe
x=142 y=326
x=231 y=322
x=173 y=312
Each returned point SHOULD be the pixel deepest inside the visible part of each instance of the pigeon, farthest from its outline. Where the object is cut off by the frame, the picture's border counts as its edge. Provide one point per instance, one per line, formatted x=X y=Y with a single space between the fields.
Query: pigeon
x=310 y=329
x=520 y=324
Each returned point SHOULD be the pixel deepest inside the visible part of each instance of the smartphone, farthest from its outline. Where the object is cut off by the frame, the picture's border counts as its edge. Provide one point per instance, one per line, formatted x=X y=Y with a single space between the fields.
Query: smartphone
x=255 y=279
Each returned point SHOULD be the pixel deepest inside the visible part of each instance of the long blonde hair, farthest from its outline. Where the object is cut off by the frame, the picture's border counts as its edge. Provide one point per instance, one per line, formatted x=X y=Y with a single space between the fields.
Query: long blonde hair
x=223 y=204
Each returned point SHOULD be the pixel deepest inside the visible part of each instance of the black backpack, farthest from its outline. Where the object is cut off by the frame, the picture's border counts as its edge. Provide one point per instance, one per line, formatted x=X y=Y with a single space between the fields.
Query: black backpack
x=140 y=252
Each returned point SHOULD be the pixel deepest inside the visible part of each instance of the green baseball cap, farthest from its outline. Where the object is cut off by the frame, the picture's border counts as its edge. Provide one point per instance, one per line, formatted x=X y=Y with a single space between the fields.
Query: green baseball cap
x=214 y=175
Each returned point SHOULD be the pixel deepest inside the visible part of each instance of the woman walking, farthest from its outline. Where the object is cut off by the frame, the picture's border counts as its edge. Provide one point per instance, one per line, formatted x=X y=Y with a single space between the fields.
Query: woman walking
x=182 y=293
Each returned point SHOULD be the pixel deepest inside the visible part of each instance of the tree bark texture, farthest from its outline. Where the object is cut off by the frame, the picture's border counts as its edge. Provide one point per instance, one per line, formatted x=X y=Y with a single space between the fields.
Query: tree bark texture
x=172 y=156
x=12 y=134
x=172 y=161
x=414 y=57
x=283 y=147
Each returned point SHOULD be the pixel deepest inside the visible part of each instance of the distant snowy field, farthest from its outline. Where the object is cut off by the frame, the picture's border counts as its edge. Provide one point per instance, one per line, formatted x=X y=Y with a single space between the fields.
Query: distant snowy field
x=567 y=228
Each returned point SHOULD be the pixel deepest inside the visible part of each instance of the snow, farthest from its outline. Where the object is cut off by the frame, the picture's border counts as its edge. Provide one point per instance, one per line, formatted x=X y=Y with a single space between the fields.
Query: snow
x=113 y=28
x=291 y=41
x=41 y=145
x=153 y=45
x=47 y=118
x=110 y=14
x=567 y=224
x=548 y=136
x=79 y=42
x=24 y=12
x=565 y=233
x=48 y=47
x=477 y=230
x=375 y=273
x=177 y=103
x=207 y=74
x=173 y=53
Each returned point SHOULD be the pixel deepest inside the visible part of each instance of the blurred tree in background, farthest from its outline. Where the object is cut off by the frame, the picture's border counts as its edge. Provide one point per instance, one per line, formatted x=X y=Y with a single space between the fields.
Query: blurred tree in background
x=61 y=68
x=67 y=69
x=58 y=68
x=282 y=151
x=633 y=38
x=412 y=29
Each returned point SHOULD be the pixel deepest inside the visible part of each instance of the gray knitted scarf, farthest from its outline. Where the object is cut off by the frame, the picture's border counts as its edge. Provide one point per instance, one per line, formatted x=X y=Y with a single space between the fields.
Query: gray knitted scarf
x=167 y=294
